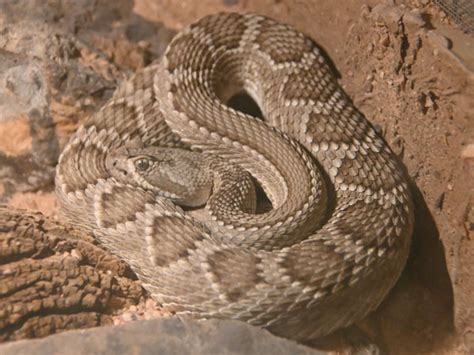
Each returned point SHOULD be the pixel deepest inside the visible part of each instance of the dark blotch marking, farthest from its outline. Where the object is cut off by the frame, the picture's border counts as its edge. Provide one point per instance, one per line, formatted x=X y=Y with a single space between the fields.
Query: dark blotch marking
x=312 y=268
x=119 y=116
x=282 y=43
x=122 y=204
x=236 y=271
x=174 y=237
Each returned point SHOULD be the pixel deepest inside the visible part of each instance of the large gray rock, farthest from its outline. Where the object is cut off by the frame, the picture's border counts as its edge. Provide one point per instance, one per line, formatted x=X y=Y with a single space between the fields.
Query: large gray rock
x=162 y=336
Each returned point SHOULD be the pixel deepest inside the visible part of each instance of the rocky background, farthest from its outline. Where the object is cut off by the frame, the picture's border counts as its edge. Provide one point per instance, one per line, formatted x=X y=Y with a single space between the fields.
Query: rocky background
x=403 y=63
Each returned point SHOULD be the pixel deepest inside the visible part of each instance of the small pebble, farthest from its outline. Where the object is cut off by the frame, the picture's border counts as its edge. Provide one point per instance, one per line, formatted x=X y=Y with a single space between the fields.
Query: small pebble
x=365 y=11
x=429 y=101
x=414 y=19
x=468 y=152
x=368 y=87
x=385 y=40
x=76 y=254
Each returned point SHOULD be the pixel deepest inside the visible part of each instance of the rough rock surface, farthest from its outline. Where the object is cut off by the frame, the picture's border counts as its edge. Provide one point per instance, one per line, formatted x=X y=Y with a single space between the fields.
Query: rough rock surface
x=405 y=66
x=52 y=278
x=59 y=62
x=163 y=336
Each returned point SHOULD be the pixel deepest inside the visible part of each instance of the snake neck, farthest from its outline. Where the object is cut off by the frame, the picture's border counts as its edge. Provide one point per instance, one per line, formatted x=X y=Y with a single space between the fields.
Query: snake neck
x=189 y=90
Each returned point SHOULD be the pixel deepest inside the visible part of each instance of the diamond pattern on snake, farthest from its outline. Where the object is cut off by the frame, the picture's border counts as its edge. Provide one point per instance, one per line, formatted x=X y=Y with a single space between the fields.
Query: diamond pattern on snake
x=338 y=232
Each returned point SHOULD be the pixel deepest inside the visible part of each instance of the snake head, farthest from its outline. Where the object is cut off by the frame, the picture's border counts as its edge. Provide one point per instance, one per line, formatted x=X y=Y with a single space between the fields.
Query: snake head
x=177 y=174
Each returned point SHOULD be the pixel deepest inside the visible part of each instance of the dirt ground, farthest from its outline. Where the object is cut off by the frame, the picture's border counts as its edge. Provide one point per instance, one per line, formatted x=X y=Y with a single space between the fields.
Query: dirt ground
x=406 y=67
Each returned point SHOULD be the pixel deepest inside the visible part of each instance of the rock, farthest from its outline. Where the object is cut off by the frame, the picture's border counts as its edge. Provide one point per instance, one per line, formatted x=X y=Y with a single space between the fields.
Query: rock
x=368 y=87
x=53 y=74
x=22 y=85
x=230 y=2
x=391 y=15
x=384 y=40
x=427 y=101
x=365 y=11
x=53 y=278
x=163 y=336
x=414 y=19
x=15 y=139
x=438 y=40
x=468 y=152
x=40 y=66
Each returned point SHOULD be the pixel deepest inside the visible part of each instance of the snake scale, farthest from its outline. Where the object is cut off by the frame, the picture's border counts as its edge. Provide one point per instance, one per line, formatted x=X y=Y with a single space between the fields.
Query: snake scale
x=338 y=232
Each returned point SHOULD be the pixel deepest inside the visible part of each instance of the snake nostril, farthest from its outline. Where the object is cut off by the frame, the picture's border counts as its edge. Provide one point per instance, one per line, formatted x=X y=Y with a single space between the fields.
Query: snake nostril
x=122 y=171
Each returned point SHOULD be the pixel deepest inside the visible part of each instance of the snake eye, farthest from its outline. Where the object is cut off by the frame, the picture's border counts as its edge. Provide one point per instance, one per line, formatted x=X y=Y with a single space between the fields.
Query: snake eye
x=142 y=164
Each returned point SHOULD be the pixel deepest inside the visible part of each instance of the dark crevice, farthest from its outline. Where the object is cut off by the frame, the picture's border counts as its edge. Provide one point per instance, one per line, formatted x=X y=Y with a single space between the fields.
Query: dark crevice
x=244 y=103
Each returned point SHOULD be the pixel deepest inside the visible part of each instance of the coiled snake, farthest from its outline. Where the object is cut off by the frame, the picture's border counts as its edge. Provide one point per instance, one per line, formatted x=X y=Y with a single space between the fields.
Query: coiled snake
x=339 y=230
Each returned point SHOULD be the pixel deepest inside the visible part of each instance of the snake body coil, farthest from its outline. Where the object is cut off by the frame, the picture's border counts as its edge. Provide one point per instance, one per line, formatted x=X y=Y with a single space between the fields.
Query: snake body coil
x=339 y=232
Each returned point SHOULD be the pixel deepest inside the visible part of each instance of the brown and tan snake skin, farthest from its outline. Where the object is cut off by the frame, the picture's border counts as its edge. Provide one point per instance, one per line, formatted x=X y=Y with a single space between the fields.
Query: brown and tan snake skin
x=338 y=235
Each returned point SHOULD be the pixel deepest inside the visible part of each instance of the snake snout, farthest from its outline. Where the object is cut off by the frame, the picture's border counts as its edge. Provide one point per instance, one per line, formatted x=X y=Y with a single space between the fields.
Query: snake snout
x=116 y=165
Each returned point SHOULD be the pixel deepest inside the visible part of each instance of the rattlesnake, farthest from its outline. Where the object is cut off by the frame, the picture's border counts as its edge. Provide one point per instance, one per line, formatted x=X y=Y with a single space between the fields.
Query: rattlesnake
x=339 y=232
